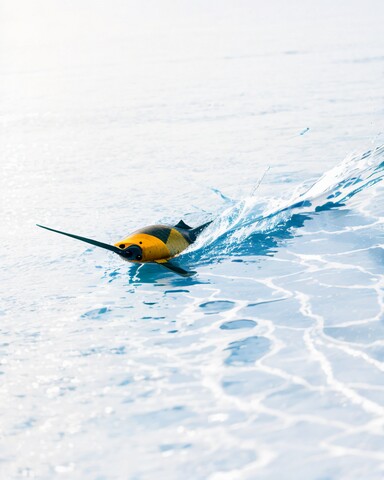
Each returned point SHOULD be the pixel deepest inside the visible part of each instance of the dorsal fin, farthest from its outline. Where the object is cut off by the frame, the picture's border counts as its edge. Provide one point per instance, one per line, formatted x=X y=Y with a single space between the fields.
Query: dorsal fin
x=182 y=224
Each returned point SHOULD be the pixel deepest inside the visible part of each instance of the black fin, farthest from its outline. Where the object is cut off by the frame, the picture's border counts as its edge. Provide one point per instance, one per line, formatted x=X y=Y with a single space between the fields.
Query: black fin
x=195 y=232
x=182 y=224
x=176 y=269
x=86 y=240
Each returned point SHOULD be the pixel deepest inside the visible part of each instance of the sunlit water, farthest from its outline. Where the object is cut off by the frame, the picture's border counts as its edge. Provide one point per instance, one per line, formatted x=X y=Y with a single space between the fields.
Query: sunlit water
x=267 y=119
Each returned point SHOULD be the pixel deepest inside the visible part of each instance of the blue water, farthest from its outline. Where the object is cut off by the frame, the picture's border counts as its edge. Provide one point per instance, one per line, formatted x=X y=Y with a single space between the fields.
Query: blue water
x=268 y=120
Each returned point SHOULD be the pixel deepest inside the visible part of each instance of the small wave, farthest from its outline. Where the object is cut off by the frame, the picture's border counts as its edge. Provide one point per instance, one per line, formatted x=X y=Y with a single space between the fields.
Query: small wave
x=254 y=226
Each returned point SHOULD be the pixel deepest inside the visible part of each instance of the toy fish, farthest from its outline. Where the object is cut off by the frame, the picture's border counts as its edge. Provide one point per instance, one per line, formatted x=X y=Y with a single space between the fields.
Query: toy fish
x=153 y=244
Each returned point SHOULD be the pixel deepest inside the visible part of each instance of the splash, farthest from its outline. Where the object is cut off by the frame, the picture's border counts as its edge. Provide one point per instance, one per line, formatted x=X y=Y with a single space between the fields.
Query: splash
x=255 y=226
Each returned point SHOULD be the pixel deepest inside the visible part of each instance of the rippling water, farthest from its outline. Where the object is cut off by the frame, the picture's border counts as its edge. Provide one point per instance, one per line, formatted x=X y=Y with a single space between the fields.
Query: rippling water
x=265 y=118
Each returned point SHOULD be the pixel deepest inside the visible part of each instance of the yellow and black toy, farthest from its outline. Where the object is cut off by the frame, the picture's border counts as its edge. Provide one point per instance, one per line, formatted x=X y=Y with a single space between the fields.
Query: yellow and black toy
x=156 y=244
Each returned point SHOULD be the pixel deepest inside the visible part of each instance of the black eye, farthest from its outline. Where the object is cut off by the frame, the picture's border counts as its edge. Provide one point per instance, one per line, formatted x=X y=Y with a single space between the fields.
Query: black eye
x=141 y=243
x=139 y=257
x=122 y=245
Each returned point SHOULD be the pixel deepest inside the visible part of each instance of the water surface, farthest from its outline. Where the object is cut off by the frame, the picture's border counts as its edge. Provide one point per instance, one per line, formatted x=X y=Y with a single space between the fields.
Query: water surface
x=267 y=118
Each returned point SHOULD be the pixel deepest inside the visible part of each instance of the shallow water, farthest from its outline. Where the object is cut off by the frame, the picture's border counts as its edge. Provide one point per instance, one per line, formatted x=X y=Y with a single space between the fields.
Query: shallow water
x=267 y=119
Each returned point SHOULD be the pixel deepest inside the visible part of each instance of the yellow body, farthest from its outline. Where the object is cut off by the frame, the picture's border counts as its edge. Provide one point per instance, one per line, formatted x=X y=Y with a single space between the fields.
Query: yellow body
x=154 y=249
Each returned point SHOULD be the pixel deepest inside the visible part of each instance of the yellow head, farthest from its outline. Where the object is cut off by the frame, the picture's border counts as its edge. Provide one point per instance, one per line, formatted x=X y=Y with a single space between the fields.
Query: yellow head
x=142 y=247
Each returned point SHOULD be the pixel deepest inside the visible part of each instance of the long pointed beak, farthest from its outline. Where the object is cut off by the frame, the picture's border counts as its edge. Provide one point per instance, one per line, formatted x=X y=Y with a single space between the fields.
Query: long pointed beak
x=87 y=240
